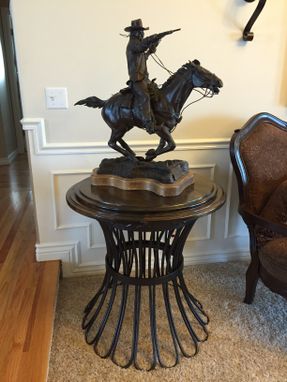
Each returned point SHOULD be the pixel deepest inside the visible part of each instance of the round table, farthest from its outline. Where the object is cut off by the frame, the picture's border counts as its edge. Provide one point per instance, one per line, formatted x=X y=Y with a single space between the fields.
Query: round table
x=143 y=314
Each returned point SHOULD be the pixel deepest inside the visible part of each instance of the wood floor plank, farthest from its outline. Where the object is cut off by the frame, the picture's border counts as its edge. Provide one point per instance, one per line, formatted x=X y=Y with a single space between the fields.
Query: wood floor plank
x=8 y=212
x=4 y=249
x=36 y=351
x=28 y=289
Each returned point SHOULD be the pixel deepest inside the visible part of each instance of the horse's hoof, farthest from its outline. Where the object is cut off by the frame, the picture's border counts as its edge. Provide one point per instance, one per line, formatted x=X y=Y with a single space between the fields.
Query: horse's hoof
x=150 y=155
x=150 y=152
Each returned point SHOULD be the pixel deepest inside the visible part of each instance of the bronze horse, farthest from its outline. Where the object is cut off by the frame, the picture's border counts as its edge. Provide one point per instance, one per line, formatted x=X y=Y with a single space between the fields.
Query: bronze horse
x=117 y=111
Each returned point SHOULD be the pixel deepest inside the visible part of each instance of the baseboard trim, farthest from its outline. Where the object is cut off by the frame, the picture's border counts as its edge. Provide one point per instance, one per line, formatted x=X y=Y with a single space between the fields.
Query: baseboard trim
x=68 y=253
x=216 y=257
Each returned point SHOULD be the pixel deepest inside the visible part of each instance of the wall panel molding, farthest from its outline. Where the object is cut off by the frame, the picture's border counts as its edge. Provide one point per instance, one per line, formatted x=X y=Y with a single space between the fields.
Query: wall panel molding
x=54 y=175
x=36 y=127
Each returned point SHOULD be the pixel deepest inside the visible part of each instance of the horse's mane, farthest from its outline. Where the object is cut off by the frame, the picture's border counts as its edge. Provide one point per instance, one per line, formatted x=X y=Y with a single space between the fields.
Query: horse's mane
x=180 y=71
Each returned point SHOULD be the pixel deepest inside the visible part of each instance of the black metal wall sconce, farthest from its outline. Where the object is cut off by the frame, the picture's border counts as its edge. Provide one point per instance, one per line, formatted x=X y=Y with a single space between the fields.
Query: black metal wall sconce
x=247 y=34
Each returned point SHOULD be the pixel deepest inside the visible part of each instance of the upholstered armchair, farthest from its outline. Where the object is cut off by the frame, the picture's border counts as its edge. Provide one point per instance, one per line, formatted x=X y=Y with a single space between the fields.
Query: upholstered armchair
x=259 y=157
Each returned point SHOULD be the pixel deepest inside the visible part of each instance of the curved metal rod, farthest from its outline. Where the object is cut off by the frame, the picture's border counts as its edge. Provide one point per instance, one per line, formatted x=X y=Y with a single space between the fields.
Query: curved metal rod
x=119 y=324
x=104 y=322
x=171 y=323
x=154 y=339
x=247 y=34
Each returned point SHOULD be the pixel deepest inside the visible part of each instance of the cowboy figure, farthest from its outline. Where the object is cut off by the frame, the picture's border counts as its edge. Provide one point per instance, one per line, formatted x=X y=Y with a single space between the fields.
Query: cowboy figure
x=138 y=51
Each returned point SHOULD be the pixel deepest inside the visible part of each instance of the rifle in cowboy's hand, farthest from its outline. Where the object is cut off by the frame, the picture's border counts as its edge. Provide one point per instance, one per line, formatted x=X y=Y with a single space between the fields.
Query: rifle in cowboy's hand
x=154 y=38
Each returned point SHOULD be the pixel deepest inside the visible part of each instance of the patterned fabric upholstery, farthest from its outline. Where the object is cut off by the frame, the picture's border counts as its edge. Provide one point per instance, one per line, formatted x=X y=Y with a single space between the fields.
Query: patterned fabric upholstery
x=276 y=207
x=264 y=174
x=275 y=210
x=273 y=251
x=273 y=257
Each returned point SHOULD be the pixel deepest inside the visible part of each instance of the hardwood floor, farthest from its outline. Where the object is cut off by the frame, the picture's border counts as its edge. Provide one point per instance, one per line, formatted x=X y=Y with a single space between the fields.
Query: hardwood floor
x=27 y=289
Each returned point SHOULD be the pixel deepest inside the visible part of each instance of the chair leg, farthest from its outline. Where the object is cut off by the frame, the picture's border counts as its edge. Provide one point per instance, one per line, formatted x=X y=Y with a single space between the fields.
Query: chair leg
x=252 y=276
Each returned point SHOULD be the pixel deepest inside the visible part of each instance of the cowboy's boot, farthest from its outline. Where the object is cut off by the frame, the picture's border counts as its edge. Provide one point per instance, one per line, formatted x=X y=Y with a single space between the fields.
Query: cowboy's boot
x=147 y=119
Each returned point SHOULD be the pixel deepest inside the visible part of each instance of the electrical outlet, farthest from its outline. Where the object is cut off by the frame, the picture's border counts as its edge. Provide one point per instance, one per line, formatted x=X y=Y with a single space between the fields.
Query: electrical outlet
x=56 y=98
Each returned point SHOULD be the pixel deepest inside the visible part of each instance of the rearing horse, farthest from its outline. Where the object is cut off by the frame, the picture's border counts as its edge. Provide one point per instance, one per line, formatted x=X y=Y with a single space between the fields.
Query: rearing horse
x=117 y=111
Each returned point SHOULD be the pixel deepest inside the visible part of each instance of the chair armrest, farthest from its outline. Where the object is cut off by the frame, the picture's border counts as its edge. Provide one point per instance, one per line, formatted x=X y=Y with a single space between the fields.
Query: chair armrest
x=251 y=218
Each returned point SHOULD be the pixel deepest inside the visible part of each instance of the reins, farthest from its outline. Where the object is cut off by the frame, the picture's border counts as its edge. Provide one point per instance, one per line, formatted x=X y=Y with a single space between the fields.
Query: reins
x=207 y=93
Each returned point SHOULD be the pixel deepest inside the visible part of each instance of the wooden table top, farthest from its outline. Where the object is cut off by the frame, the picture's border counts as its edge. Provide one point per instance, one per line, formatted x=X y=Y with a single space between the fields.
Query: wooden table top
x=112 y=204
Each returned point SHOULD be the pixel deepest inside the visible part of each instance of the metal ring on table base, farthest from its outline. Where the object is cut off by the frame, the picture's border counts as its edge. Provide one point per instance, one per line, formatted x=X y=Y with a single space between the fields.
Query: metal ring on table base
x=143 y=314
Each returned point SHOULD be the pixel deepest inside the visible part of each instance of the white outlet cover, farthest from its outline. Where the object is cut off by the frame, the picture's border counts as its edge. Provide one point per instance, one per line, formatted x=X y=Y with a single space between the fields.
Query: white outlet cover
x=56 y=98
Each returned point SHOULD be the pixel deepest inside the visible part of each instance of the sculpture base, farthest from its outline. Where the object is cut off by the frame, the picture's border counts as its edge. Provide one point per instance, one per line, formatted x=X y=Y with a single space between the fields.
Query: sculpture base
x=146 y=184
x=168 y=171
x=165 y=178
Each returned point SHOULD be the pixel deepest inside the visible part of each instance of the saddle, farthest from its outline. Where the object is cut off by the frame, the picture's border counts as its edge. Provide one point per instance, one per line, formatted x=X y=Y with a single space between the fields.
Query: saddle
x=153 y=90
x=156 y=98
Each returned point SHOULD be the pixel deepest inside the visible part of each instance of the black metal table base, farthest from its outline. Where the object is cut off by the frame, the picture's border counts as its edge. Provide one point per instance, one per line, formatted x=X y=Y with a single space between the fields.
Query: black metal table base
x=143 y=314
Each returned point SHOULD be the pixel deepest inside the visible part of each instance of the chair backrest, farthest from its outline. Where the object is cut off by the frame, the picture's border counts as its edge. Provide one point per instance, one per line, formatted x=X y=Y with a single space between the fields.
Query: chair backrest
x=259 y=156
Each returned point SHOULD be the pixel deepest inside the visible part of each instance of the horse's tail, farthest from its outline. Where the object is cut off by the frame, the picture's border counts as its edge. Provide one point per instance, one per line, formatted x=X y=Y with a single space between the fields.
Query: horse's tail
x=91 y=102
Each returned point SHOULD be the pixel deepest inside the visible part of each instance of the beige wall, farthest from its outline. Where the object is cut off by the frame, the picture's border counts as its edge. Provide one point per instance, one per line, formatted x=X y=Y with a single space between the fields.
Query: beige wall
x=78 y=45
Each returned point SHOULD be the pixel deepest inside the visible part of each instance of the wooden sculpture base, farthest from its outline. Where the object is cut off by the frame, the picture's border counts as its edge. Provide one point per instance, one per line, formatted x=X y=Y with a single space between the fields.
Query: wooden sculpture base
x=146 y=184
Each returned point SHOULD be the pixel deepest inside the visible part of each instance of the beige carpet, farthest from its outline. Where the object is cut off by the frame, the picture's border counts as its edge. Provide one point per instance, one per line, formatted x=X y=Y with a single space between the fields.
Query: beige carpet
x=246 y=342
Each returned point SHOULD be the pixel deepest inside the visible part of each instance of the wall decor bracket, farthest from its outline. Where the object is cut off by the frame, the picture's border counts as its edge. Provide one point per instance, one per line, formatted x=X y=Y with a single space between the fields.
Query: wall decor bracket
x=247 y=34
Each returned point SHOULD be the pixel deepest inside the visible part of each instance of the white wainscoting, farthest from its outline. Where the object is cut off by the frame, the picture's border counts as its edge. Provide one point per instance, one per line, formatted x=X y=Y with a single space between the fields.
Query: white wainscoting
x=78 y=241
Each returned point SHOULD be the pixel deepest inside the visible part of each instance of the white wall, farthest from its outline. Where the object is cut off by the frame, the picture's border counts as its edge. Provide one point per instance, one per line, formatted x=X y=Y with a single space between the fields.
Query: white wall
x=78 y=46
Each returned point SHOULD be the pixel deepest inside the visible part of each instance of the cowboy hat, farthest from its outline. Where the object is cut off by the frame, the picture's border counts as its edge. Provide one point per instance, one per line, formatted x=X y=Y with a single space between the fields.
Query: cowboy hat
x=136 y=25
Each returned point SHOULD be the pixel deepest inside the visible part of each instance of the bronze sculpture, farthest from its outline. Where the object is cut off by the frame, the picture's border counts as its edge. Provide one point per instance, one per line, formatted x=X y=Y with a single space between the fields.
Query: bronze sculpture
x=122 y=111
x=138 y=51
